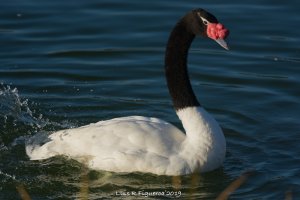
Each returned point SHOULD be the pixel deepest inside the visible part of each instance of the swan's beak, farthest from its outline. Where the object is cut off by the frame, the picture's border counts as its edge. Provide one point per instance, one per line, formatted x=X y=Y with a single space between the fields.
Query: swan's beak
x=222 y=43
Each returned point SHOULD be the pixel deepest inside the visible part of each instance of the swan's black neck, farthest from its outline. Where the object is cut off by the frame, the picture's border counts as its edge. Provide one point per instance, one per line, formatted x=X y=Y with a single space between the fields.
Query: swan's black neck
x=176 y=66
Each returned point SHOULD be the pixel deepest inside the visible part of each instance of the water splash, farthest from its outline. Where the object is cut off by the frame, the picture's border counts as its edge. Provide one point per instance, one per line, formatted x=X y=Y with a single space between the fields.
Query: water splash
x=14 y=110
x=21 y=118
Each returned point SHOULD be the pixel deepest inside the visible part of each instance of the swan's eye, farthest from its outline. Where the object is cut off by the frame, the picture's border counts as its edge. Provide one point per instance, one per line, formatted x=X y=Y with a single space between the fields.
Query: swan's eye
x=205 y=21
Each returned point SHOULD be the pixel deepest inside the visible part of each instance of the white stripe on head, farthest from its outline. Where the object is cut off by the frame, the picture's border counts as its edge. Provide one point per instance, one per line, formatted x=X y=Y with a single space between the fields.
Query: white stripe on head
x=205 y=21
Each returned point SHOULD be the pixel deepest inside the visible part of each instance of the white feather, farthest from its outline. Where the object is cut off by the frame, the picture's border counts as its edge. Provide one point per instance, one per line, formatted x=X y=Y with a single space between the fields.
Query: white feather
x=131 y=144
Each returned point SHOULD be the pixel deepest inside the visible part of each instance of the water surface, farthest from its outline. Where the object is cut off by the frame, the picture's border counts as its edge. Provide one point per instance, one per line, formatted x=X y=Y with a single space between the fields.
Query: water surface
x=68 y=64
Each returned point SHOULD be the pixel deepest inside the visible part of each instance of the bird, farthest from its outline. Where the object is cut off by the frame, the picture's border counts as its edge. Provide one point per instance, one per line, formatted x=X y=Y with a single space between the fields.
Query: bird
x=137 y=144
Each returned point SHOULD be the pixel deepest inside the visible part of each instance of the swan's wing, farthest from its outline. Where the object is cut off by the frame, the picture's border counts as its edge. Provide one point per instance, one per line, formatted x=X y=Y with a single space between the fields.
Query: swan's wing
x=114 y=145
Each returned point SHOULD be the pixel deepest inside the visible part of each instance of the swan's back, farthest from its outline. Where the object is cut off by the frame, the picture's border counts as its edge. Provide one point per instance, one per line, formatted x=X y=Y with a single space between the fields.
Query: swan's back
x=124 y=144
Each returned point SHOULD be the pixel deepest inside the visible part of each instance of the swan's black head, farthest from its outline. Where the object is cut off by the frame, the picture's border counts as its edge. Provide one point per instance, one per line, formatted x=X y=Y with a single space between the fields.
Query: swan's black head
x=205 y=24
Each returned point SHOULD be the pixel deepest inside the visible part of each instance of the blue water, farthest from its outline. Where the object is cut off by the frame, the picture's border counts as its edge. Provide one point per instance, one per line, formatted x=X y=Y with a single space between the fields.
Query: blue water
x=66 y=64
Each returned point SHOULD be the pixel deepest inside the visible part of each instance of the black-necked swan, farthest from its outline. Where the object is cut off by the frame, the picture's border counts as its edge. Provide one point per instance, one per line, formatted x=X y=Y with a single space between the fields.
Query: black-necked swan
x=146 y=144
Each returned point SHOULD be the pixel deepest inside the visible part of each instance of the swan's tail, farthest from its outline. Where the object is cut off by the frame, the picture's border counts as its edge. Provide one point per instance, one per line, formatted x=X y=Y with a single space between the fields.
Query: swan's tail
x=37 y=147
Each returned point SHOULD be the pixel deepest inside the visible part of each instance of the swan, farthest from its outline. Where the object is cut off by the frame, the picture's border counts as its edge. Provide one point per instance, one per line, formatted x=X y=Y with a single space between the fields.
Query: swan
x=147 y=144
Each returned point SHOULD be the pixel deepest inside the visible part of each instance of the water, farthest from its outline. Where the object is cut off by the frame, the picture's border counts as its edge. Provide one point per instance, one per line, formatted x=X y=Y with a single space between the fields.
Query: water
x=68 y=64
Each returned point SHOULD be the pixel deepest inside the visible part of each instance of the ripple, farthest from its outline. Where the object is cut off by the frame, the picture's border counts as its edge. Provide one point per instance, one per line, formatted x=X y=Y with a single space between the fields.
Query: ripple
x=65 y=65
x=103 y=52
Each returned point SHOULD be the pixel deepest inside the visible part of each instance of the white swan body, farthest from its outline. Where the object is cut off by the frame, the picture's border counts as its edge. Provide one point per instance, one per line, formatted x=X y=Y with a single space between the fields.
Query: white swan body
x=131 y=144
x=141 y=144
